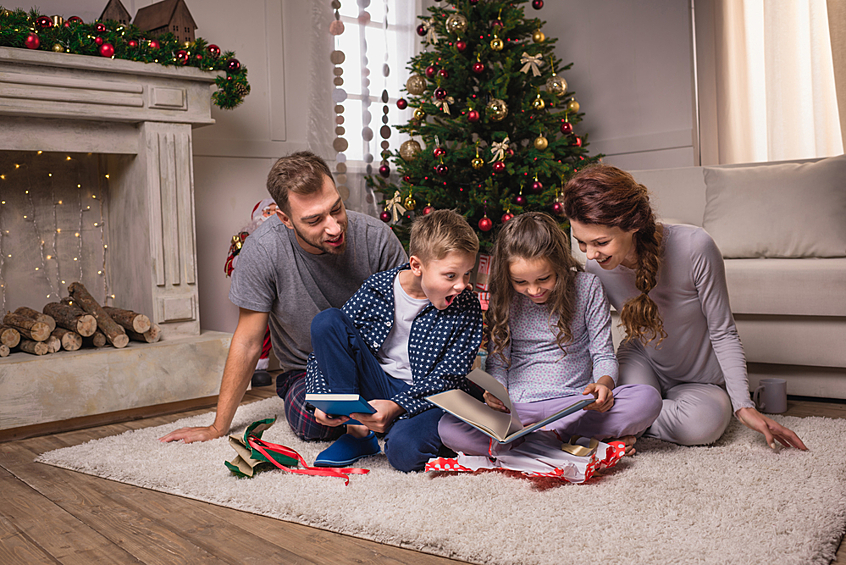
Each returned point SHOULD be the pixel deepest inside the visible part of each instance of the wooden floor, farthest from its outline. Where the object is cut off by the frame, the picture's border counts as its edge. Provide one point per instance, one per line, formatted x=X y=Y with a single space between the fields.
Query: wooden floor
x=51 y=515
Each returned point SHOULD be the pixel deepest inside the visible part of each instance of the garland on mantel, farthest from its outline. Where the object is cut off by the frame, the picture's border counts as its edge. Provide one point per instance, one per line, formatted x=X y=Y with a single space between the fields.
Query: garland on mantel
x=119 y=41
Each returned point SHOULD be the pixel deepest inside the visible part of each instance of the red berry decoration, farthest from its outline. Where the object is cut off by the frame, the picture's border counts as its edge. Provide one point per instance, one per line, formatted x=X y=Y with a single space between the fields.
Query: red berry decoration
x=557 y=208
x=132 y=43
x=233 y=65
x=402 y=103
x=430 y=71
x=507 y=216
x=428 y=210
x=520 y=200
x=385 y=216
x=566 y=128
x=213 y=50
x=443 y=73
x=154 y=44
x=99 y=40
x=537 y=4
x=478 y=67
x=438 y=151
x=44 y=22
x=461 y=45
x=385 y=171
x=440 y=93
x=107 y=50
x=485 y=224
x=32 y=41
x=421 y=30
x=442 y=170
x=498 y=167
x=537 y=187
x=473 y=116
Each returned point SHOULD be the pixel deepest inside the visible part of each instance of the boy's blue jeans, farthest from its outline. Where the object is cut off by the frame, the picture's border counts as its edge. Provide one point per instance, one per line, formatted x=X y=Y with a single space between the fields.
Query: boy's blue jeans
x=348 y=366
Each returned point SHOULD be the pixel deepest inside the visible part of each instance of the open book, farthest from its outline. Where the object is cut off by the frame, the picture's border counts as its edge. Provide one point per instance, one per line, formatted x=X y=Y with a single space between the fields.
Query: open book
x=340 y=404
x=502 y=427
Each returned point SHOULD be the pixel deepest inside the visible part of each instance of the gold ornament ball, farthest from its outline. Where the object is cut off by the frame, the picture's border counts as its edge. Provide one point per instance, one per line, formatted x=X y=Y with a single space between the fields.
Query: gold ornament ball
x=497 y=44
x=409 y=203
x=538 y=36
x=573 y=106
x=556 y=85
x=541 y=143
x=419 y=114
x=409 y=149
x=415 y=85
x=477 y=163
x=58 y=48
x=497 y=110
x=538 y=103
x=456 y=23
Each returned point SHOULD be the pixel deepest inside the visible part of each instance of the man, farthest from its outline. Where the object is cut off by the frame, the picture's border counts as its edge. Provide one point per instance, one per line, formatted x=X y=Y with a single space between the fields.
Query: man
x=314 y=255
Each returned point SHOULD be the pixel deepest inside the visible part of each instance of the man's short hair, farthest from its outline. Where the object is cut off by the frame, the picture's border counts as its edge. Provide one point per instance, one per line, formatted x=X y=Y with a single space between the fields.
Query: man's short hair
x=435 y=235
x=302 y=172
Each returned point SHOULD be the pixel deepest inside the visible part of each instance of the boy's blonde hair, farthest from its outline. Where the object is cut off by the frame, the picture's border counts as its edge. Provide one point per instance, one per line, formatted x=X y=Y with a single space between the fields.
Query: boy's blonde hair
x=439 y=233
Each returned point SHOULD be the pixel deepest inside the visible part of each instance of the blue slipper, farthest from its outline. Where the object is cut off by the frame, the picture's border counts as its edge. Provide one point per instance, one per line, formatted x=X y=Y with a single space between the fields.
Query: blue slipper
x=347 y=450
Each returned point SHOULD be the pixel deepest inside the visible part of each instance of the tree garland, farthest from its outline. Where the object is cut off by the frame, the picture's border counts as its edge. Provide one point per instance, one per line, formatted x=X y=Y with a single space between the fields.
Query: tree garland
x=119 y=41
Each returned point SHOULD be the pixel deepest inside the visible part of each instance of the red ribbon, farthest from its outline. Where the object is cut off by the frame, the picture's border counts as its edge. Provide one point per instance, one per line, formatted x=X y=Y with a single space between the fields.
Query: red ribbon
x=261 y=445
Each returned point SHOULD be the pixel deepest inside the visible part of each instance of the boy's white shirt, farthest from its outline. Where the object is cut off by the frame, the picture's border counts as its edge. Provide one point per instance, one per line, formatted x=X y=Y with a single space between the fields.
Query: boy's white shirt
x=393 y=355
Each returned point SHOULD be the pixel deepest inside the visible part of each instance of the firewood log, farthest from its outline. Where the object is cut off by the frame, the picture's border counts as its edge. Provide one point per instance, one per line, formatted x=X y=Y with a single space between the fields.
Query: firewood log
x=34 y=347
x=152 y=335
x=4 y=350
x=72 y=318
x=139 y=323
x=9 y=336
x=71 y=341
x=98 y=339
x=53 y=343
x=114 y=333
x=30 y=329
x=37 y=316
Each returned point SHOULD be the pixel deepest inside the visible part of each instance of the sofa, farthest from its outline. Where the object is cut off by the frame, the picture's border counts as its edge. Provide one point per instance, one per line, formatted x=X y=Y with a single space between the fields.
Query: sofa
x=781 y=228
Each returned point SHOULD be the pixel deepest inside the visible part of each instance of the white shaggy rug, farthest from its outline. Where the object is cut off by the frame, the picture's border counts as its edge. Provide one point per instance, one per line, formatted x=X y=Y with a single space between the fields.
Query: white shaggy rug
x=735 y=502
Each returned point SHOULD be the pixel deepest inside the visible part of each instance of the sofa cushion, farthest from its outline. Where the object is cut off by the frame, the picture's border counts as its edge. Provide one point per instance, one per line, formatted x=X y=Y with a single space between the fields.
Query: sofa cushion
x=782 y=210
x=792 y=287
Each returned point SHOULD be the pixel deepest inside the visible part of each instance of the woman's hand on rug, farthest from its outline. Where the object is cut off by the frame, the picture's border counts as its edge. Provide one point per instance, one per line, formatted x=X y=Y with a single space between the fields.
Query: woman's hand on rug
x=495 y=402
x=380 y=421
x=771 y=429
x=190 y=435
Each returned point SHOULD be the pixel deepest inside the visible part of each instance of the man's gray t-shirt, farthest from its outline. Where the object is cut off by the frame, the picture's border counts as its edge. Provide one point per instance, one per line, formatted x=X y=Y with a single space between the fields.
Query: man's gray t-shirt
x=275 y=274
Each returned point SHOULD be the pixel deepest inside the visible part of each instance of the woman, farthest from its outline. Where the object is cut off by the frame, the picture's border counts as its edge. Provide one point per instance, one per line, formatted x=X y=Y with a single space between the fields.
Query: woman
x=668 y=283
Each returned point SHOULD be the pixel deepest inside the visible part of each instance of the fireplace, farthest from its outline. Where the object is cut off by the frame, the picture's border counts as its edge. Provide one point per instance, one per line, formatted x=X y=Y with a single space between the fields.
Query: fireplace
x=98 y=187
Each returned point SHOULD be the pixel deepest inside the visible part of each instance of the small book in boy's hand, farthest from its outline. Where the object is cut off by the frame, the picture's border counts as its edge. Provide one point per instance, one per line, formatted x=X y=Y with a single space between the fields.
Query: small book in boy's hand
x=501 y=426
x=340 y=404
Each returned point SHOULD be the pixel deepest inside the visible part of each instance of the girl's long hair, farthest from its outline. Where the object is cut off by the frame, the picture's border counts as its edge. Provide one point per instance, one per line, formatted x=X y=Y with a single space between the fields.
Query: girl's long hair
x=530 y=236
x=607 y=196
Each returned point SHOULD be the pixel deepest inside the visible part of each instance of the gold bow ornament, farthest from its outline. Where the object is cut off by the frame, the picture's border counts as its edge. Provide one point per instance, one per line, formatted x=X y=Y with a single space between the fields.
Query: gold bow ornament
x=498 y=149
x=395 y=207
x=531 y=63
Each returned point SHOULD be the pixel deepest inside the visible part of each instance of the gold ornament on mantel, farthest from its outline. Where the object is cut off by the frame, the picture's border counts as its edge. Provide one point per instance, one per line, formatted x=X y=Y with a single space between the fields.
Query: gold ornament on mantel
x=497 y=44
x=58 y=21
x=59 y=48
x=573 y=105
x=415 y=85
x=497 y=110
x=538 y=36
x=409 y=149
x=541 y=143
x=456 y=23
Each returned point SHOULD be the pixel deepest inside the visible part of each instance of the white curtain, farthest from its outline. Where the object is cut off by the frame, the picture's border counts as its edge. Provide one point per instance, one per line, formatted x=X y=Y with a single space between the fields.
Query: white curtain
x=774 y=96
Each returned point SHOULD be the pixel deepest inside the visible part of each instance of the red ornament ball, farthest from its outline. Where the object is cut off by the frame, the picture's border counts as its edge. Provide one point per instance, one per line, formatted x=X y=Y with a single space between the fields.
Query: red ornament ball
x=442 y=170
x=100 y=28
x=520 y=200
x=402 y=103
x=233 y=65
x=577 y=141
x=440 y=93
x=430 y=71
x=132 y=43
x=507 y=216
x=443 y=73
x=473 y=116
x=497 y=23
x=421 y=30
x=557 y=208
x=509 y=152
x=32 y=41
x=154 y=44
x=478 y=67
x=74 y=20
x=499 y=167
x=461 y=45
x=107 y=50
x=44 y=22
x=199 y=56
x=566 y=128
x=428 y=210
x=385 y=171
x=537 y=187
x=438 y=151
x=99 y=40
x=406 y=178
x=213 y=50
x=537 y=4
x=385 y=216
x=182 y=56
x=485 y=224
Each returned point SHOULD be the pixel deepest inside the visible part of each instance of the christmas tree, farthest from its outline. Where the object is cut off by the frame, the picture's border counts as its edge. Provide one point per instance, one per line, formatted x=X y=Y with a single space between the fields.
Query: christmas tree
x=495 y=129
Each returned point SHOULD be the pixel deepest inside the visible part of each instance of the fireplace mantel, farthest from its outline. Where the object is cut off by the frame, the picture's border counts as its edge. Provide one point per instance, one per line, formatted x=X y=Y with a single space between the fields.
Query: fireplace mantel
x=140 y=118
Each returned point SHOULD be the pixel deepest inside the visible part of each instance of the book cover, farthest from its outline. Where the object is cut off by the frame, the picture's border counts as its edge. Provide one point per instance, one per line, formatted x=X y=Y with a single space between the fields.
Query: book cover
x=501 y=426
x=340 y=404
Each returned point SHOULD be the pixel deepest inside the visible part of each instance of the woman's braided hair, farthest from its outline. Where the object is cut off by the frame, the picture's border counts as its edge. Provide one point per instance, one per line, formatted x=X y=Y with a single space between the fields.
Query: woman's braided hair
x=607 y=196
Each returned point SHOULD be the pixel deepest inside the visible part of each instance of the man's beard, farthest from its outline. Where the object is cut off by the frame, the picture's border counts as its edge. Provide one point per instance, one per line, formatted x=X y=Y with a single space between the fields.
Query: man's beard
x=322 y=245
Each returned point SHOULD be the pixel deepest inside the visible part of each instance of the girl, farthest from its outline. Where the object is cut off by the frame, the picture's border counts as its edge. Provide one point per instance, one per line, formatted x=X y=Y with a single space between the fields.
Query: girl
x=550 y=343
x=668 y=283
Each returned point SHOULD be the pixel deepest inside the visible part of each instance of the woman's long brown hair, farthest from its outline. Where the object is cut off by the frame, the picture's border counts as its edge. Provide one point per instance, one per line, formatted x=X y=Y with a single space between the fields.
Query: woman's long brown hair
x=530 y=236
x=607 y=196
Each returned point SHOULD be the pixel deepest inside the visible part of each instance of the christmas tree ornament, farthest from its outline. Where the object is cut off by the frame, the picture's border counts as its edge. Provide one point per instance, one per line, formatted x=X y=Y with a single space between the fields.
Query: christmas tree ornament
x=566 y=128
x=509 y=152
x=100 y=28
x=421 y=30
x=537 y=4
x=406 y=178
x=478 y=67
x=385 y=216
x=181 y=56
x=520 y=200
x=443 y=73
x=572 y=105
x=440 y=93
x=557 y=208
x=153 y=44
x=385 y=171
x=428 y=209
x=498 y=149
x=485 y=224
x=537 y=186
x=497 y=110
x=442 y=170
x=540 y=143
x=497 y=44
x=499 y=166
x=556 y=85
x=108 y=50
x=409 y=149
x=74 y=20
x=456 y=23
x=213 y=50
x=99 y=40
x=538 y=36
x=57 y=21
x=415 y=85
x=577 y=141
x=538 y=103
x=32 y=41
x=531 y=63
x=44 y=22
x=507 y=216
x=477 y=162
x=402 y=103
x=430 y=71
x=58 y=48
x=438 y=151
x=419 y=114
x=409 y=202
x=473 y=116
x=233 y=65
x=461 y=45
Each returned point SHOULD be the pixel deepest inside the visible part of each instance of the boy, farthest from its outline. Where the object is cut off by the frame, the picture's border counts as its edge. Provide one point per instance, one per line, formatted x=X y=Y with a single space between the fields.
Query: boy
x=407 y=333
